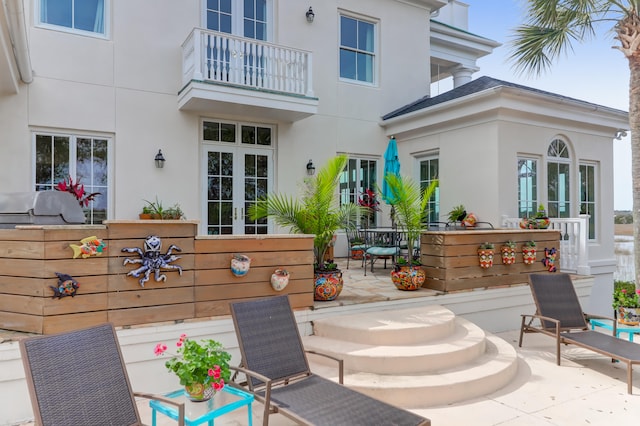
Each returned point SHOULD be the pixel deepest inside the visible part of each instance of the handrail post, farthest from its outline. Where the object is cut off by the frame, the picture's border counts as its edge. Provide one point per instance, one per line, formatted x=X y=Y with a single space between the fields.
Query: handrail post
x=583 y=267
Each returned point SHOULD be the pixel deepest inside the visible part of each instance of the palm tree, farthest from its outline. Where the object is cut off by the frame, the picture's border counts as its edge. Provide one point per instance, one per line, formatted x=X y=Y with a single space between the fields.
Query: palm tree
x=552 y=25
x=410 y=203
x=316 y=211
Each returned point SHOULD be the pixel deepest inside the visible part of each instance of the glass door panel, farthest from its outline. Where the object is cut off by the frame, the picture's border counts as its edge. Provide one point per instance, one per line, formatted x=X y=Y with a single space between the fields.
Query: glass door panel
x=235 y=179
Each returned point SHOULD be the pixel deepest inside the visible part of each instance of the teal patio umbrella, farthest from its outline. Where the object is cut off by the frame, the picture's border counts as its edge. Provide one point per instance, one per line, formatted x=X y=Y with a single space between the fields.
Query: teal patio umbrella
x=391 y=165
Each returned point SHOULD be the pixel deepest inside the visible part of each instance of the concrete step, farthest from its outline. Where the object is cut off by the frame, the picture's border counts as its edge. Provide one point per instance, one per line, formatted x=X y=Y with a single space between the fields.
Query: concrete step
x=465 y=343
x=486 y=374
x=413 y=358
x=392 y=327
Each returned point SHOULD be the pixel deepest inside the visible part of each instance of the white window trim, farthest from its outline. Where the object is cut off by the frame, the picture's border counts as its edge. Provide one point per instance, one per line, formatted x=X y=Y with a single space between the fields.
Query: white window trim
x=540 y=164
x=72 y=160
x=597 y=203
x=376 y=51
x=237 y=24
x=107 y=23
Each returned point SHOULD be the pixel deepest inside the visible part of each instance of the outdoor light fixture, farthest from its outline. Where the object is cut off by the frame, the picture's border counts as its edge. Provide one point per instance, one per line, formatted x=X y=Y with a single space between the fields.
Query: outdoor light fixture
x=160 y=159
x=311 y=169
x=620 y=133
x=310 y=15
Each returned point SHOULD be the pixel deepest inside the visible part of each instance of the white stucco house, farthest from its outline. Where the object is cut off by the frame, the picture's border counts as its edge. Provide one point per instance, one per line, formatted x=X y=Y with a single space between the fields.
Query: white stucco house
x=241 y=96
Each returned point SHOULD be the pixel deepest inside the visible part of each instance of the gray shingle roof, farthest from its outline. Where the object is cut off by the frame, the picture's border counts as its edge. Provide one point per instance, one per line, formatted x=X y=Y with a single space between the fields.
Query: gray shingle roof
x=474 y=86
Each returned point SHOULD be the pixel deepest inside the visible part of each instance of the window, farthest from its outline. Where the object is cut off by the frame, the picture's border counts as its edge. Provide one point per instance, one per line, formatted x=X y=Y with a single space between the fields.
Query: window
x=558 y=179
x=588 y=195
x=357 y=49
x=247 y=18
x=429 y=169
x=527 y=187
x=357 y=177
x=83 y=158
x=82 y=16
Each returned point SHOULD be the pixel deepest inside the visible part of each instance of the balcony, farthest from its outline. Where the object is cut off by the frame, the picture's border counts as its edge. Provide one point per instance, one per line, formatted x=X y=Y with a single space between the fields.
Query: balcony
x=224 y=74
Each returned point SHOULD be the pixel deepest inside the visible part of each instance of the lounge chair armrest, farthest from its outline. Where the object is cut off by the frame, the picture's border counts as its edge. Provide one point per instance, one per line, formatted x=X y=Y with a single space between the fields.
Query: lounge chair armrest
x=165 y=400
x=542 y=317
x=595 y=316
x=267 y=388
x=336 y=359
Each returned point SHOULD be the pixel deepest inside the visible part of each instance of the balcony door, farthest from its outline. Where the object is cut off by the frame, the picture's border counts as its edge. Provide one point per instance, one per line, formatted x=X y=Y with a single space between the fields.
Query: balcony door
x=238 y=168
x=247 y=18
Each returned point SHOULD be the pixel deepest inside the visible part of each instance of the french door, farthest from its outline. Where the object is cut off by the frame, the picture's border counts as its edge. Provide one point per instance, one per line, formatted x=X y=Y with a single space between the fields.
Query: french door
x=235 y=178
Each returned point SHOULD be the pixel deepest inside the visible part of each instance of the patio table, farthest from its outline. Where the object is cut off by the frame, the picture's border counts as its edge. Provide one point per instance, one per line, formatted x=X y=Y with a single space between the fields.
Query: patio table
x=620 y=328
x=197 y=413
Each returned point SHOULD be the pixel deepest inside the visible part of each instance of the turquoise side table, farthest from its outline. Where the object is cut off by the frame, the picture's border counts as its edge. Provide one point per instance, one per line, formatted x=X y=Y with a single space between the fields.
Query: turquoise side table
x=197 y=413
x=621 y=328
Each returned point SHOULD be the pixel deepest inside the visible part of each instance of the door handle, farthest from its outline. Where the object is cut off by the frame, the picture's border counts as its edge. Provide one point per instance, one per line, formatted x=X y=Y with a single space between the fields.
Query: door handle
x=235 y=213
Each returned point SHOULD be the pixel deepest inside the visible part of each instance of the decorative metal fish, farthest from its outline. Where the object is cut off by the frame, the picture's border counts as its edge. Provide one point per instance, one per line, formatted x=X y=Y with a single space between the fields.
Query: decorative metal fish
x=90 y=246
x=67 y=286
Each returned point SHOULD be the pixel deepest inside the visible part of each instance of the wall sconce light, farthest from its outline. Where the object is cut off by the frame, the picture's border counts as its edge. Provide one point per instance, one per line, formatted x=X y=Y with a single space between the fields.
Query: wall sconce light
x=620 y=133
x=310 y=15
x=311 y=169
x=160 y=159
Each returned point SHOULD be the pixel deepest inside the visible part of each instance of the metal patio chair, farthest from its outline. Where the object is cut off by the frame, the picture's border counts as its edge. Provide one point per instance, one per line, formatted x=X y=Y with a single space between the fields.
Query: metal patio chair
x=278 y=373
x=79 y=378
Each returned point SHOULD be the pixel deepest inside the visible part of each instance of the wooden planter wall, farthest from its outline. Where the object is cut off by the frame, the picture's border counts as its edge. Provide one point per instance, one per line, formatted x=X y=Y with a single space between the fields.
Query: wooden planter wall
x=450 y=258
x=30 y=257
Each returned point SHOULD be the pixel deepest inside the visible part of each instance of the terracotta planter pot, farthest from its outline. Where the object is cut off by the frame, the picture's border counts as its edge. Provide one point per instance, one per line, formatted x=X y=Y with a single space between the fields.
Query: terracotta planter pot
x=485 y=258
x=279 y=279
x=529 y=255
x=199 y=392
x=240 y=265
x=508 y=255
x=408 y=278
x=628 y=316
x=328 y=285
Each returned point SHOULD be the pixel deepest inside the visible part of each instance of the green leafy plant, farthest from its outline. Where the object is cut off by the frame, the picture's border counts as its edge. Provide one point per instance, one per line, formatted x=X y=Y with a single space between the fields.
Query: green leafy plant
x=510 y=244
x=457 y=214
x=529 y=244
x=204 y=363
x=625 y=295
x=486 y=246
x=410 y=205
x=157 y=210
x=317 y=211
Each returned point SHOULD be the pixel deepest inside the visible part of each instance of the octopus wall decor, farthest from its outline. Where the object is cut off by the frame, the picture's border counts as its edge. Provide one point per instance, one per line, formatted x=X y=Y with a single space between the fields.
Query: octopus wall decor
x=152 y=260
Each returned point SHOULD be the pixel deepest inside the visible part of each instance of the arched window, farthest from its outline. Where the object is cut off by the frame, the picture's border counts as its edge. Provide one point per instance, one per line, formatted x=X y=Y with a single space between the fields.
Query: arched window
x=558 y=179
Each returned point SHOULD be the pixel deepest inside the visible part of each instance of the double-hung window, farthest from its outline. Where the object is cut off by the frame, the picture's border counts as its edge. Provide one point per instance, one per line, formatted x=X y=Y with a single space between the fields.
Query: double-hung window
x=357 y=49
x=82 y=16
x=83 y=158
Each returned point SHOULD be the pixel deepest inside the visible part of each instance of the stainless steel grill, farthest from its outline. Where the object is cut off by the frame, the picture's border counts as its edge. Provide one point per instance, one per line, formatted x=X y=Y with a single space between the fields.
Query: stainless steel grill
x=39 y=208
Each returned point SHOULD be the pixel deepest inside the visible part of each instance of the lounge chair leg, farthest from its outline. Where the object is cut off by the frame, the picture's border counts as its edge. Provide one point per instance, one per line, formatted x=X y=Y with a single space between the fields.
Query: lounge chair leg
x=629 y=378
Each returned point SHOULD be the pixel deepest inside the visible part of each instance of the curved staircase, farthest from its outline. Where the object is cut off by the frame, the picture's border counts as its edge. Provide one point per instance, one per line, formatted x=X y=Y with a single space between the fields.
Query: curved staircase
x=413 y=358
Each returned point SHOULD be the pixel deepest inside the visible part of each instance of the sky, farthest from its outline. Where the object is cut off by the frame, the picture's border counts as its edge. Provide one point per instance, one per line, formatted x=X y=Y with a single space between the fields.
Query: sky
x=592 y=72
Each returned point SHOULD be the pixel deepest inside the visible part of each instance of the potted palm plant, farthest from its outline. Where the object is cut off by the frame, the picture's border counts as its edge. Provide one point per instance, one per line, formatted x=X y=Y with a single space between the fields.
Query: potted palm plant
x=410 y=205
x=318 y=212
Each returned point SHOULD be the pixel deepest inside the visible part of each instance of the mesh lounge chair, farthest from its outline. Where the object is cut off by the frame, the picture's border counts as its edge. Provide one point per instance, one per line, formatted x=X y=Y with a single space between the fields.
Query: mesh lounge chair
x=79 y=378
x=278 y=373
x=559 y=315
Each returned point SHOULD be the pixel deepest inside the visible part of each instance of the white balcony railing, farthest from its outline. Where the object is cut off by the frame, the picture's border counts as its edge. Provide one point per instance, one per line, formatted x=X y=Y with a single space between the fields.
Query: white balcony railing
x=222 y=58
x=574 y=233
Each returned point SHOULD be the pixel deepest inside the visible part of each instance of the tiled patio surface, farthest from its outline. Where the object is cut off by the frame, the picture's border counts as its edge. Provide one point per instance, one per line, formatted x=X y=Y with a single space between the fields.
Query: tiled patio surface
x=587 y=389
